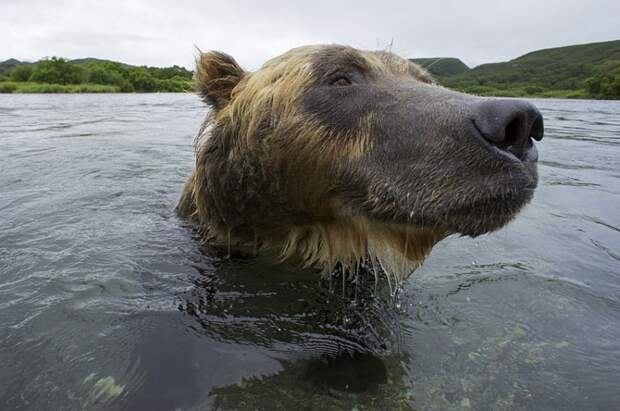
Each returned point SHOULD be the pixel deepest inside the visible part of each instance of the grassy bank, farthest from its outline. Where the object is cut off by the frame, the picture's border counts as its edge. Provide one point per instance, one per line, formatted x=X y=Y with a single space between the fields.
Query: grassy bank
x=25 y=87
x=534 y=92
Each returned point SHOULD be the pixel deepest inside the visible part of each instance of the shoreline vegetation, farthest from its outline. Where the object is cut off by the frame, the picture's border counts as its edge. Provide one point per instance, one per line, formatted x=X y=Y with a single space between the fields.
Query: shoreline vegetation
x=58 y=75
x=585 y=71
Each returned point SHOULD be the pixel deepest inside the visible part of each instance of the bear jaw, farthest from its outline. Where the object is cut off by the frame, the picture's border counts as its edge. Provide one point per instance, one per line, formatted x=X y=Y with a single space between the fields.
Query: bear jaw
x=397 y=249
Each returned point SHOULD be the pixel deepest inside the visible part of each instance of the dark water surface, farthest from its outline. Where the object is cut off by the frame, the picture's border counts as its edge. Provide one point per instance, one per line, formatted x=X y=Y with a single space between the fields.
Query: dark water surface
x=107 y=301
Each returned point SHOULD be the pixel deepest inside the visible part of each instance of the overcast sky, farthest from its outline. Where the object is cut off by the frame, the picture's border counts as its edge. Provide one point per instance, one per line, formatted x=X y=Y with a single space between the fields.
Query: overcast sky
x=164 y=32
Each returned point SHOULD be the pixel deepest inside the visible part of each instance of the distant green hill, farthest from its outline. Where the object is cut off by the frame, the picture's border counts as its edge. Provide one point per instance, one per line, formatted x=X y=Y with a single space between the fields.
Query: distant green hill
x=95 y=60
x=585 y=70
x=442 y=66
x=7 y=65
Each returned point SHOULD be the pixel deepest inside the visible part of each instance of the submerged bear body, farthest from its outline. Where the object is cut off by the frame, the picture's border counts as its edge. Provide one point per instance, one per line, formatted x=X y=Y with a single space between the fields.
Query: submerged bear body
x=332 y=155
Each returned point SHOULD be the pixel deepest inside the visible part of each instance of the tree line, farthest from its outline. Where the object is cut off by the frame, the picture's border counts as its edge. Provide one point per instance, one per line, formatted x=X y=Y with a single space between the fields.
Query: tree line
x=60 y=75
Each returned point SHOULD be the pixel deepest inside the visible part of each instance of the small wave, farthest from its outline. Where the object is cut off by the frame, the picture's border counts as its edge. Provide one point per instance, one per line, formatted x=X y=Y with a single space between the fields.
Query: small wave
x=606 y=250
x=600 y=222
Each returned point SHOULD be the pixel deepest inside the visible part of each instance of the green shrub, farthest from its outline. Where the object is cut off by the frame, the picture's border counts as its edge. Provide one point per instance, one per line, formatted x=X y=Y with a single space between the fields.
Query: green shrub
x=93 y=88
x=57 y=71
x=60 y=88
x=40 y=88
x=20 y=73
x=7 y=87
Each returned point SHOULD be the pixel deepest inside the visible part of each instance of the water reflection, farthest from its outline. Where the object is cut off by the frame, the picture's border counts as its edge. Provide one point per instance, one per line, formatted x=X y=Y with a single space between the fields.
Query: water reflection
x=327 y=339
x=252 y=301
x=345 y=381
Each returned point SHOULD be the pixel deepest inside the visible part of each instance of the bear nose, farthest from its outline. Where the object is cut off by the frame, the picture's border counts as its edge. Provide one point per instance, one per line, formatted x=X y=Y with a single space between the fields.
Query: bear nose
x=509 y=125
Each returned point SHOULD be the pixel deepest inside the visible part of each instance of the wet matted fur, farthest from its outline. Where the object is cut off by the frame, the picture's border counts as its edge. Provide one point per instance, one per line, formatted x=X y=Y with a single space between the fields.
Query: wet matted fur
x=330 y=155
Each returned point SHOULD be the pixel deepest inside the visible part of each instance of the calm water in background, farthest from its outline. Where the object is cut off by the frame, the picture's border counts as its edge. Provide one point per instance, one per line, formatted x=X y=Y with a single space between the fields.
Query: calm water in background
x=107 y=301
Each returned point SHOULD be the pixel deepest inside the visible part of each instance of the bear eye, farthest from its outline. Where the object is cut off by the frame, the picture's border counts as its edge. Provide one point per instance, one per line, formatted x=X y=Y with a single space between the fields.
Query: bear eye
x=340 y=81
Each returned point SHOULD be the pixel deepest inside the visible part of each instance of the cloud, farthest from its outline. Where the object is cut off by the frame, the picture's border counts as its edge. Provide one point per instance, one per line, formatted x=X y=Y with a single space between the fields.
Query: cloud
x=164 y=32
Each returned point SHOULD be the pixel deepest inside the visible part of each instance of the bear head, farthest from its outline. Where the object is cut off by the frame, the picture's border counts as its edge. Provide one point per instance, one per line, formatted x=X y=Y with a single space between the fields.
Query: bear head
x=330 y=155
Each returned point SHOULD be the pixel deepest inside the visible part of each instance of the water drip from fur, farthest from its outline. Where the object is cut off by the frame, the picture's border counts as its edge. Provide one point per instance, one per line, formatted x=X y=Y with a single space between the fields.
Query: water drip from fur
x=364 y=280
x=390 y=250
x=398 y=248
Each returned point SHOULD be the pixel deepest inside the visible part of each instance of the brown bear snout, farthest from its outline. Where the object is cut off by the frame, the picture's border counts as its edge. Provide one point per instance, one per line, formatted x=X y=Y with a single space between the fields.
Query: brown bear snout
x=510 y=126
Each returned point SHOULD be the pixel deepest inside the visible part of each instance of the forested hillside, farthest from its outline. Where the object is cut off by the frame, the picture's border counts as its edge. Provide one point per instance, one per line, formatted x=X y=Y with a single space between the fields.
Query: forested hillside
x=580 y=71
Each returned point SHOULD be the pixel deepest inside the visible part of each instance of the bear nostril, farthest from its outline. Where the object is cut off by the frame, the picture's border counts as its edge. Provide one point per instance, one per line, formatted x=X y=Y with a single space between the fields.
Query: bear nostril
x=538 y=128
x=509 y=124
x=512 y=132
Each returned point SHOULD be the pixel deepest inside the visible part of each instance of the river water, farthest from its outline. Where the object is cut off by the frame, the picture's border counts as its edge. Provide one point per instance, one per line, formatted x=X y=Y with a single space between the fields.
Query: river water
x=109 y=301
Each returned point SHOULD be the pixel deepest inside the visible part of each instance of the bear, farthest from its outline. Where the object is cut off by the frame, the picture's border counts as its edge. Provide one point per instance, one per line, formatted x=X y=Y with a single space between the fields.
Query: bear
x=328 y=156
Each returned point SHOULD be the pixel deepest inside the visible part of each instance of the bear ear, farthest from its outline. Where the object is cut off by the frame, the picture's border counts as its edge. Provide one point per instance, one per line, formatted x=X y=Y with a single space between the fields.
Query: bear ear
x=216 y=76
